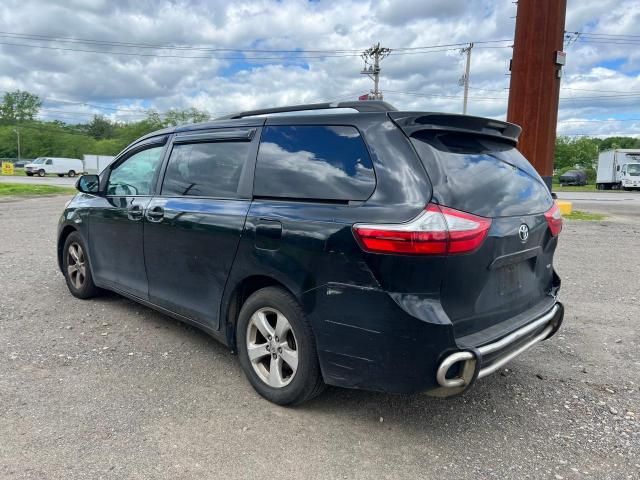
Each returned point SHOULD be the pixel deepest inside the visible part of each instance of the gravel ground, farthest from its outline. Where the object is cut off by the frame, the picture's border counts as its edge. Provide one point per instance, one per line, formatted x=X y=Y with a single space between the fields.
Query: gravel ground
x=109 y=389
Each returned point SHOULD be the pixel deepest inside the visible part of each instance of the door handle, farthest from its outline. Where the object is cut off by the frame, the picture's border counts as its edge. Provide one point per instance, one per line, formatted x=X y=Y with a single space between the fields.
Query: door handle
x=155 y=214
x=134 y=212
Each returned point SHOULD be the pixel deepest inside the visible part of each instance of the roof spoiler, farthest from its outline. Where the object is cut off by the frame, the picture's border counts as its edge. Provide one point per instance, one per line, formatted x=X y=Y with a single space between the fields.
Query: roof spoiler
x=360 y=106
x=411 y=122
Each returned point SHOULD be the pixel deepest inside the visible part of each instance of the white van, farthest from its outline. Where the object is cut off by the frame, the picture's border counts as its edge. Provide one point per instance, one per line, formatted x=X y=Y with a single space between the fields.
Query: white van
x=60 y=166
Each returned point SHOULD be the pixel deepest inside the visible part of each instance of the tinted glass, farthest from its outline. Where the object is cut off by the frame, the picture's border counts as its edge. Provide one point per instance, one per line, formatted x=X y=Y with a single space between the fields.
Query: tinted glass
x=314 y=162
x=480 y=176
x=206 y=169
x=135 y=175
x=49 y=162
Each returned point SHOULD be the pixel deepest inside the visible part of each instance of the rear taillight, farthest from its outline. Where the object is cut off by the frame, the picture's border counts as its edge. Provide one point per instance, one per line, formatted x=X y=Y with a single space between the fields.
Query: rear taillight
x=554 y=219
x=435 y=231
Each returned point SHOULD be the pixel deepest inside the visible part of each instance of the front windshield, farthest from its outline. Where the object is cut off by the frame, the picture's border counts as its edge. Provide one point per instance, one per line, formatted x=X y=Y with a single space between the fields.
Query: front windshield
x=38 y=160
x=633 y=169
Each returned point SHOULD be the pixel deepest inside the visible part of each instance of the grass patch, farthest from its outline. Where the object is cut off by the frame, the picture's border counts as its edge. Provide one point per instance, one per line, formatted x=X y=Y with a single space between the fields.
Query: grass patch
x=21 y=189
x=586 y=188
x=578 y=215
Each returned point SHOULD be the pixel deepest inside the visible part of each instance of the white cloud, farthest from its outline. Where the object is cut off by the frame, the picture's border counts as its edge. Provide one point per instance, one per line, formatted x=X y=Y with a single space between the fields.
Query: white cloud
x=428 y=81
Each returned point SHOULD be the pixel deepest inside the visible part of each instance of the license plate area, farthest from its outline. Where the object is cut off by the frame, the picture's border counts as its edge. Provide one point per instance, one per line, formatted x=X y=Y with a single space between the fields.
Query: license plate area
x=510 y=279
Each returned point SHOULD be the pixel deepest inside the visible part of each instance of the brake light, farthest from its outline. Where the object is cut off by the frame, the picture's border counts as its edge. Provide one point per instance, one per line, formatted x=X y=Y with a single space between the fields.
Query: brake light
x=554 y=219
x=435 y=231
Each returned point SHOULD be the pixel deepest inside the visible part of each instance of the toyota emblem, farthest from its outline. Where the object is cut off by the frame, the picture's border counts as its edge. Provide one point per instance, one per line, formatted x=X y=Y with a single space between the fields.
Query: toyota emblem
x=523 y=232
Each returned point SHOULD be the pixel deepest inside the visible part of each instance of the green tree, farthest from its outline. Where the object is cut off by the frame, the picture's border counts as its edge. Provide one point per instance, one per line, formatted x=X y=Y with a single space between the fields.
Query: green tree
x=100 y=128
x=19 y=106
x=619 y=142
x=179 y=117
x=575 y=151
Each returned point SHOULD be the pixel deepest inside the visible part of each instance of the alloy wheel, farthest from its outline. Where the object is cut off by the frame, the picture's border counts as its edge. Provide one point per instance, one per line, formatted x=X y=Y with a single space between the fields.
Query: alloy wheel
x=272 y=347
x=76 y=265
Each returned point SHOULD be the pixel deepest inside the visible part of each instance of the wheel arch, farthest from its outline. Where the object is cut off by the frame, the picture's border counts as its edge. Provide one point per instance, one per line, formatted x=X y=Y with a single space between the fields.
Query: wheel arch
x=64 y=233
x=238 y=295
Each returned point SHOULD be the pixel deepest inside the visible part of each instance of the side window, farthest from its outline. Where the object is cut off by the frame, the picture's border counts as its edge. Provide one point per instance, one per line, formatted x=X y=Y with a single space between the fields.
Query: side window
x=49 y=162
x=314 y=162
x=206 y=169
x=135 y=175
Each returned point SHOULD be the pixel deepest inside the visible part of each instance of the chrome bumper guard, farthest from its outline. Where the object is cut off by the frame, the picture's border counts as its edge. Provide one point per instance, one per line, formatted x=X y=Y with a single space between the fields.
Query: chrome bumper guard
x=472 y=368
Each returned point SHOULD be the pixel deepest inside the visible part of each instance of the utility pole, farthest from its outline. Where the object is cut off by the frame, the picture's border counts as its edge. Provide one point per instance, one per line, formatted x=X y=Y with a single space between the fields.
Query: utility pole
x=18 y=134
x=536 y=69
x=372 y=58
x=465 y=78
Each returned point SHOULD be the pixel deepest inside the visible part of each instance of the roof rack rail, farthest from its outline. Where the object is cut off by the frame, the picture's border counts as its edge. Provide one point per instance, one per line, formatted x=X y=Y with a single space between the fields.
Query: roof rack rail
x=361 y=106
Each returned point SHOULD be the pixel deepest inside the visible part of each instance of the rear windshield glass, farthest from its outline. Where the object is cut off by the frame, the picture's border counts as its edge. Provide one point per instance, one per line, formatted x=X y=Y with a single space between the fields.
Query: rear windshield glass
x=481 y=176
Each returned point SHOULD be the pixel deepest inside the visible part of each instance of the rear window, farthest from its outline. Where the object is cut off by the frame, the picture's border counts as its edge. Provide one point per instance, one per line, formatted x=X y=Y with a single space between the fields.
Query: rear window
x=481 y=176
x=314 y=162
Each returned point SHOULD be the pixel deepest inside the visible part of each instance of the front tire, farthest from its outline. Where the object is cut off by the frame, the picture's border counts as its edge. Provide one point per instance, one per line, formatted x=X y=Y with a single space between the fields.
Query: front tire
x=76 y=268
x=277 y=348
x=72 y=173
x=41 y=173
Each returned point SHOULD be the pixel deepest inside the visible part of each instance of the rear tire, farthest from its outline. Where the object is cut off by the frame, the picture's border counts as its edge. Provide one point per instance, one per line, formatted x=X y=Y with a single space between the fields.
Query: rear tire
x=77 y=268
x=41 y=173
x=283 y=369
x=71 y=173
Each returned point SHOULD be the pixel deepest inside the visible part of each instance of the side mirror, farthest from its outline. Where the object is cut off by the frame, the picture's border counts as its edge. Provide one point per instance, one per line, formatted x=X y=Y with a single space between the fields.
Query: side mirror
x=89 y=184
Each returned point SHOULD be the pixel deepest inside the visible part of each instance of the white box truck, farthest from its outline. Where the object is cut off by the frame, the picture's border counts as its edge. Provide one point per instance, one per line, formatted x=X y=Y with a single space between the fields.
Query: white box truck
x=95 y=164
x=42 y=166
x=619 y=168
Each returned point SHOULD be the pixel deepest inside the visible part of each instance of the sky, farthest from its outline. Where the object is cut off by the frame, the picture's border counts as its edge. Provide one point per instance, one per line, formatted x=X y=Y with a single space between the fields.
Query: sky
x=119 y=58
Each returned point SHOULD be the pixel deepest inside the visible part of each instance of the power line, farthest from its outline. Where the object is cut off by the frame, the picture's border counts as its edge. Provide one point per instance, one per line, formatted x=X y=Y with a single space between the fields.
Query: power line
x=598 y=91
x=602 y=34
x=608 y=135
x=143 y=111
x=156 y=46
x=435 y=95
x=160 y=46
x=283 y=54
x=591 y=97
x=596 y=42
x=209 y=57
x=601 y=121
x=61 y=129
x=153 y=55
x=506 y=90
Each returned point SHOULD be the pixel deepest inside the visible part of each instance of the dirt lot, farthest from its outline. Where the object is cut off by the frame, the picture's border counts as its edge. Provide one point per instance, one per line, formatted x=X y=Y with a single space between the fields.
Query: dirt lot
x=109 y=389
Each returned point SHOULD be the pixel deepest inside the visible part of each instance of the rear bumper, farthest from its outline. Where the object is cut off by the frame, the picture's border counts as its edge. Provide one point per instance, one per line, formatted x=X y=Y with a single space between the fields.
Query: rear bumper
x=369 y=339
x=476 y=363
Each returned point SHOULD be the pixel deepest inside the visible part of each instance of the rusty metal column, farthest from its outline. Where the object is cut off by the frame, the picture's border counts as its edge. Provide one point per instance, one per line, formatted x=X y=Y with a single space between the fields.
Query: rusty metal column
x=535 y=80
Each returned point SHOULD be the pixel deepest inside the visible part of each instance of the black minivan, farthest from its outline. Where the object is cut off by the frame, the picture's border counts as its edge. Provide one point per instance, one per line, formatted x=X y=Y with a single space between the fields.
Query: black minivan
x=346 y=244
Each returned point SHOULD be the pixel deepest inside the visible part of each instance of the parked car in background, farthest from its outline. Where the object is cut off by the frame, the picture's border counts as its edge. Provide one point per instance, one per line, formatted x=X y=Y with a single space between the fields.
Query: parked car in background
x=375 y=249
x=20 y=163
x=42 y=166
x=573 y=177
